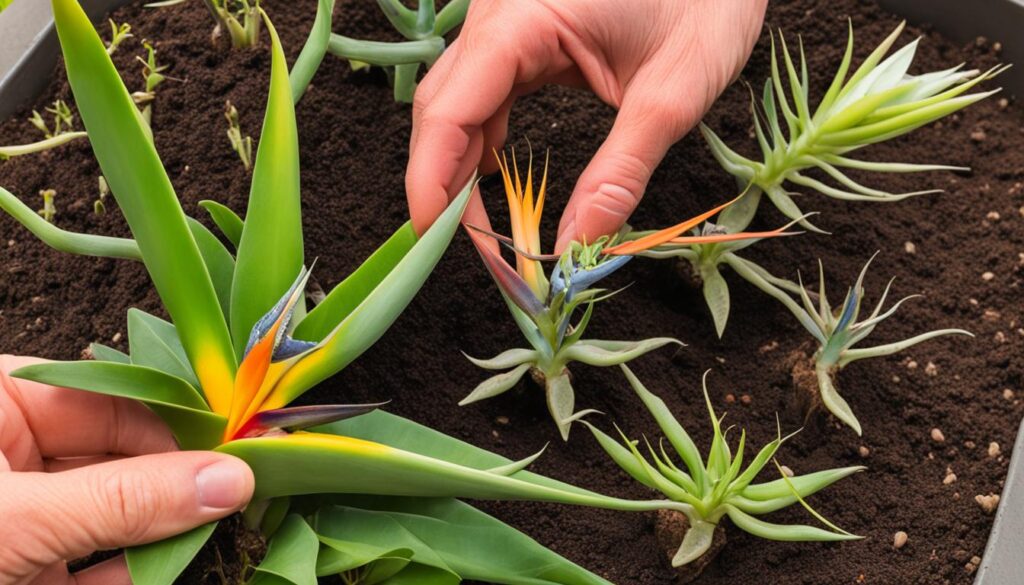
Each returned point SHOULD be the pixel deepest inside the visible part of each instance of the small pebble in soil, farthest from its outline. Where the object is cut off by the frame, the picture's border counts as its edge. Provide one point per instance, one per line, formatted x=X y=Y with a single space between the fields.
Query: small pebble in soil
x=1007 y=394
x=899 y=539
x=993 y=449
x=501 y=420
x=990 y=315
x=992 y=216
x=863 y=451
x=787 y=471
x=988 y=503
x=987 y=276
x=999 y=337
x=911 y=365
x=10 y=243
x=730 y=399
x=972 y=566
x=937 y=436
x=978 y=136
x=931 y=369
x=970 y=444
x=909 y=248
x=1003 y=103
x=950 y=477
x=116 y=338
x=746 y=399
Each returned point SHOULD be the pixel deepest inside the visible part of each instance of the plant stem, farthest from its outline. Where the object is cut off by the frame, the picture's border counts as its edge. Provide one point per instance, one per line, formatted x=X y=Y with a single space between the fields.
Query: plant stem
x=53 y=142
x=425 y=51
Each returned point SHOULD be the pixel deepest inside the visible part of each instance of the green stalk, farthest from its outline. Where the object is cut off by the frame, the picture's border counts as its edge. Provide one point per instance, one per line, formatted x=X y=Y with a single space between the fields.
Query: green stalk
x=386 y=54
x=7 y=152
x=313 y=51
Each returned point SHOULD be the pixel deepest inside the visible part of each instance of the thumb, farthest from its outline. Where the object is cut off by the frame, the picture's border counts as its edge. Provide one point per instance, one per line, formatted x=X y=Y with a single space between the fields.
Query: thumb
x=66 y=515
x=615 y=180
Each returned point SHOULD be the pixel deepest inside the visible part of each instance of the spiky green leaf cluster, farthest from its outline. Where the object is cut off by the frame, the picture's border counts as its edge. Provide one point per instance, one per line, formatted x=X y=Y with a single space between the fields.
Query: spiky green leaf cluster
x=878 y=102
x=720 y=485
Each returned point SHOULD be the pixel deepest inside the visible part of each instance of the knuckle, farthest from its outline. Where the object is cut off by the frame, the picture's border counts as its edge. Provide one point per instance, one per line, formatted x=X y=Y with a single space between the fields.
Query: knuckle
x=130 y=500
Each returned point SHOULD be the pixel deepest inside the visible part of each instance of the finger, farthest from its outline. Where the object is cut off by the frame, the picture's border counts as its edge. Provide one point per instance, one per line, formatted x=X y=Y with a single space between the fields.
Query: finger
x=614 y=182
x=110 y=572
x=49 y=517
x=69 y=423
x=67 y=464
x=495 y=133
x=448 y=123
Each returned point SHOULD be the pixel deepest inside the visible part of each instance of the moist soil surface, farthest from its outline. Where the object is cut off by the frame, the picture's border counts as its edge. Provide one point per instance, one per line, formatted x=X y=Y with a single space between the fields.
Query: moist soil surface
x=966 y=262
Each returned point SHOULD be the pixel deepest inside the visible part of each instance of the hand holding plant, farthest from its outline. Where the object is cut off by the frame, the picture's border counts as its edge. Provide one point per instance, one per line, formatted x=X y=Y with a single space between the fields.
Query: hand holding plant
x=660 y=63
x=83 y=472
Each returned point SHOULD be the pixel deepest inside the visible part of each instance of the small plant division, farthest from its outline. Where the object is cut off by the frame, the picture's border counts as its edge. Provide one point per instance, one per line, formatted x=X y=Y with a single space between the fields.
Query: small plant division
x=49 y=209
x=544 y=308
x=718 y=486
x=99 y=206
x=240 y=18
x=153 y=75
x=836 y=332
x=118 y=34
x=241 y=146
x=879 y=101
x=424 y=30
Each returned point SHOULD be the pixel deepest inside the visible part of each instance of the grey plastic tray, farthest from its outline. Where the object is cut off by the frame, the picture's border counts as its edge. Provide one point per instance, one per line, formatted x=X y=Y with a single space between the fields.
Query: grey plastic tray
x=33 y=48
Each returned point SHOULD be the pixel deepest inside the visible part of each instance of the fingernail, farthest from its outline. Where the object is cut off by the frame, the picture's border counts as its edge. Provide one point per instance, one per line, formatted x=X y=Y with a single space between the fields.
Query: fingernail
x=567 y=235
x=224 y=485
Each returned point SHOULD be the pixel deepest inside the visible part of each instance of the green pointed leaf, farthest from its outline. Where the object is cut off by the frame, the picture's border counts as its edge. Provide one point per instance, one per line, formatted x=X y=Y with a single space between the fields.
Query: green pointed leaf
x=313 y=52
x=161 y=562
x=784 y=532
x=154 y=343
x=219 y=262
x=270 y=252
x=103 y=353
x=506 y=359
x=227 y=220
x=171 y=398
x=144 y=193
x=561 y=401
x=291 y=556
x=597 y=352
x=716 y=295
x=345 y=297
x=496 y=385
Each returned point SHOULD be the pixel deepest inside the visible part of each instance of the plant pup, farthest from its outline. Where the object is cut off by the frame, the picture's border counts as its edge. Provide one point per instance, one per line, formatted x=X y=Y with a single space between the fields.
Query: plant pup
x=546 y=307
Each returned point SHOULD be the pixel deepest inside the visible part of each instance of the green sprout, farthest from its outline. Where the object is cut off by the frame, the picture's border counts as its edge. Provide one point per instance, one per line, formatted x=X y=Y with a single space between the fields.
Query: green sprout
x=98 y=207
x=62 y=132
x=720 y=486
x=242 y=146
x=49 y=210
x=241 y=18
x=118 y=34
x=152 y=74
x=878 y=102
x=838 y=331
x=424 y=30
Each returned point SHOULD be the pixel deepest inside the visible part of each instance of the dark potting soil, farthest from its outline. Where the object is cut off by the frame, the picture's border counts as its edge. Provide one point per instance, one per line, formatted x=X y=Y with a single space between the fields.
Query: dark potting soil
x=966 y=261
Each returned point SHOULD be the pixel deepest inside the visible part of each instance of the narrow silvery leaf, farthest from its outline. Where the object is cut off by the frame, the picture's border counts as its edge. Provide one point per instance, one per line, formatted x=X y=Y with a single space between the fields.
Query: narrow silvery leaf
x=833 y=401
x=561 y=401
x=789 y=532
x=517 y=466
x=696 y=542
x=496 y=385
x=596 y=352
x=716 y=295
x=506 y=359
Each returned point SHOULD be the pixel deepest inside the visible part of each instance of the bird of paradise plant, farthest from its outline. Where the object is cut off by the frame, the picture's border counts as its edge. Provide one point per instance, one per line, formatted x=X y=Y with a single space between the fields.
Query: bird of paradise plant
x=545 y=307
x=241 y=344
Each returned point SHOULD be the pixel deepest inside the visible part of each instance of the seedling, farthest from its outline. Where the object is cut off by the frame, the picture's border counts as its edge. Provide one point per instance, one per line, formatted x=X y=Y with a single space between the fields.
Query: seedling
x=718 y=487
x=152 y=74
x=241 y=345
x=98 y=207
x=544 y=308
x=242 y=146
x=118 y=34
x=240 y=18
x=61 y=133
x=836 y=332
x=424 y=30
x=49 y=210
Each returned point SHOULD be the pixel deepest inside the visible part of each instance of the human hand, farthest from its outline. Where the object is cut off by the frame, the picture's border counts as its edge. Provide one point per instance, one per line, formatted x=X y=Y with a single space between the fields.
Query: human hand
x=81 y=472
x=661 y=63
